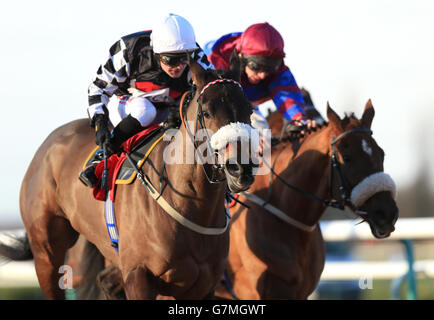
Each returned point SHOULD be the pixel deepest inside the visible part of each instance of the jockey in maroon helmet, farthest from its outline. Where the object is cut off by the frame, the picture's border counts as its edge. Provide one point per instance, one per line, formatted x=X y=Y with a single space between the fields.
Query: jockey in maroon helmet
x=264 y=73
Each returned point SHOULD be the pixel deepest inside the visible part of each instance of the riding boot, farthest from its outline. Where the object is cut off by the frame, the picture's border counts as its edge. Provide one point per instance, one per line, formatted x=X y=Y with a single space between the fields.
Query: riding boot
x=127 y=128
x=88 y=176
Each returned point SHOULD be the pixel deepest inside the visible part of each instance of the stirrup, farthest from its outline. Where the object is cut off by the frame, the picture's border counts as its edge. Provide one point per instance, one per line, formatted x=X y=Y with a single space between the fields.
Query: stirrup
x=88 y=177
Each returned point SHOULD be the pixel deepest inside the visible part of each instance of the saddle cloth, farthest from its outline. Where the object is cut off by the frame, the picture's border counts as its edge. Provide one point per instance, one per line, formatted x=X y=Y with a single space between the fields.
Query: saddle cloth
x=120 y=171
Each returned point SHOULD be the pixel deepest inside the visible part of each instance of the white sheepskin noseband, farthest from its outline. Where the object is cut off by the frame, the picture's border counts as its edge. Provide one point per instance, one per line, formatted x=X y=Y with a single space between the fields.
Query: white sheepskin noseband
x=235 y=131
x=371 y=185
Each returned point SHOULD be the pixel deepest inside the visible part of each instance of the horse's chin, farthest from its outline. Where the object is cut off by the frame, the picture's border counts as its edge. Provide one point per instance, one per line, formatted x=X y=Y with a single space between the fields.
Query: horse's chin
x=239 y=184
x=381 y=214
x=381 y=232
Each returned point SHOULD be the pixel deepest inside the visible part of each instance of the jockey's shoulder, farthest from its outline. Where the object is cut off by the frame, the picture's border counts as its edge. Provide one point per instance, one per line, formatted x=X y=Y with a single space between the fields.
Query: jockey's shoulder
x=139 y=34
x=229 y=37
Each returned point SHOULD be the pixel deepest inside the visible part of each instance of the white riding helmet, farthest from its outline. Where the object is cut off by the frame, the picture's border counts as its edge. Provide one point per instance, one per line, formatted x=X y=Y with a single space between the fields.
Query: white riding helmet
x=173 y=34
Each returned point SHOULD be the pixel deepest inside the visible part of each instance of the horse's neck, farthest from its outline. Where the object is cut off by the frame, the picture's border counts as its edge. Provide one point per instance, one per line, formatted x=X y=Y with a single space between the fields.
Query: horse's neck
x=318 y=141
x=309 y=170
x=188 y=189
x=202 y=202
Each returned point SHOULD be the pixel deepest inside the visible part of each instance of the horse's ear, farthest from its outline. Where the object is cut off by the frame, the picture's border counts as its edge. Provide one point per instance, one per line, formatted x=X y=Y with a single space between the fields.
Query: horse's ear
x=198 y=74
x=334 y=119
x=235 y=66
x=368 y=114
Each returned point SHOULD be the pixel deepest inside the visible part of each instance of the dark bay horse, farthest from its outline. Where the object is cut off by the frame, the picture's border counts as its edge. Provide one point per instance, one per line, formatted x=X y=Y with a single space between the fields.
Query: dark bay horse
x=157 y=254
x=277 y=250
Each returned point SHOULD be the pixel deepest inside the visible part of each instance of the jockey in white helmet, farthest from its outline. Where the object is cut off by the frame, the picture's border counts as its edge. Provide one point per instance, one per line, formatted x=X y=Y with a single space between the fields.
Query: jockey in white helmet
x=145 y=73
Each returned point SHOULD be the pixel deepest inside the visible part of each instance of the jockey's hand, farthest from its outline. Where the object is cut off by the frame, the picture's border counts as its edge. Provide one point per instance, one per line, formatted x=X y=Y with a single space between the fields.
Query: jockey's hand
x=173 y=120
x=311 y=125
x=103 y=134
x=298 y=128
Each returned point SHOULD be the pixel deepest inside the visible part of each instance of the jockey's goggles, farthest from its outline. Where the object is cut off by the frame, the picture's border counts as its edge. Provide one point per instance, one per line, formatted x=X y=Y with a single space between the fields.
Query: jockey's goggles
x=173 y=59
x=262 y=64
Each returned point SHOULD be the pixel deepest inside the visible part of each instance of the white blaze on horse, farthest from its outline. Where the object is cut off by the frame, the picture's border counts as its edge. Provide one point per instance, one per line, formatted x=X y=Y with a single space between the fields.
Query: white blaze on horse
x=172 y=240
x=276 y=247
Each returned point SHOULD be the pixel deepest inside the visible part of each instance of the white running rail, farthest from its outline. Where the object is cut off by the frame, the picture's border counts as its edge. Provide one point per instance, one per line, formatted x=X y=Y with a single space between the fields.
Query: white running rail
x=19 y=274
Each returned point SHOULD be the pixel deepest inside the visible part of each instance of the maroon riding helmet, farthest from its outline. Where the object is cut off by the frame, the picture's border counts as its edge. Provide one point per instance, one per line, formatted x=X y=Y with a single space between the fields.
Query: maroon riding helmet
x=261 y=46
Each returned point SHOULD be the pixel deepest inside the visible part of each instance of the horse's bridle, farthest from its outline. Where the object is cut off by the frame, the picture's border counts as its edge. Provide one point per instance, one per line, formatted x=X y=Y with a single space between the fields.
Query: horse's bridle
x=157 y=196
x=216 y=168
x=334 y=167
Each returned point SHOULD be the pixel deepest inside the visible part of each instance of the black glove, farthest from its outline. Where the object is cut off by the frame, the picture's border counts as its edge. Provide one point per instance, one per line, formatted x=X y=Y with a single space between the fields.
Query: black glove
x=173 y=120
x=102 y=131
x=295 y=129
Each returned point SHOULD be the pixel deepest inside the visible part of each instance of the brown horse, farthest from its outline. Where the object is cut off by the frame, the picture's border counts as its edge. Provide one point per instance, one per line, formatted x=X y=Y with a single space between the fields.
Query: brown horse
x=276 y=249
x=157 y=254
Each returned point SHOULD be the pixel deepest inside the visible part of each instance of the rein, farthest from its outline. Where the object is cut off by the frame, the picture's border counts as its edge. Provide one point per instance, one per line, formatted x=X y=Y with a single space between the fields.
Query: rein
x=157 y=196
x=278 y=213
x=216 y=168
x=335 y=166
x=171 y=211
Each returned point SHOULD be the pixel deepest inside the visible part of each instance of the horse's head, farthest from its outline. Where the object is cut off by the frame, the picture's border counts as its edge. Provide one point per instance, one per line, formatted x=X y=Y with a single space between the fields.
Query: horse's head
x=358 y=175
x=220 y=107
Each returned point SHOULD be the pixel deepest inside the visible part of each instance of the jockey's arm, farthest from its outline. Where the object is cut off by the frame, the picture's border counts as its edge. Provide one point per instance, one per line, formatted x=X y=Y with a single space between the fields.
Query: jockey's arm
x=111 y=76
x=289 y=101
x=287 y=97
x=309 y=107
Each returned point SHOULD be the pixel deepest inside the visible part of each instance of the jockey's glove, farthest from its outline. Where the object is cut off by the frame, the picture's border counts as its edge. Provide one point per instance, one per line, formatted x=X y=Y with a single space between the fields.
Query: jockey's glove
x=294 y=128
x=173 y=120
x=103 y=134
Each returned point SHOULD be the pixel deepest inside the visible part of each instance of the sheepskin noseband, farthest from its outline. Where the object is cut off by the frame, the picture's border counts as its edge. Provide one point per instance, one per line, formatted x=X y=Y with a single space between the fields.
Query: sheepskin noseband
x=235 y=131
x=371 y=185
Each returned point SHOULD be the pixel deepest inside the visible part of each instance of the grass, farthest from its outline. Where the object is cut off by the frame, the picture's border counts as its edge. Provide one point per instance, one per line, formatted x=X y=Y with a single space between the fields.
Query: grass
x=381 y=290
x=25 y=293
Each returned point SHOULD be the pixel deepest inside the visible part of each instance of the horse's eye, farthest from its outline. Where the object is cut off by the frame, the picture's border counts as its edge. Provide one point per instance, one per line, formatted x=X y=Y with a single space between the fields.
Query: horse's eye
x=206 y=114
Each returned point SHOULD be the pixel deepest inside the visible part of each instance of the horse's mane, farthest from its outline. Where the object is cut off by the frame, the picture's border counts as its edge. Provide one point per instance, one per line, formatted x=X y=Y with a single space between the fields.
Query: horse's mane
x=212 y=74
x=349 y=118
x=220 y=73
x=306 y=135
x=174 y=120
x=295 y=144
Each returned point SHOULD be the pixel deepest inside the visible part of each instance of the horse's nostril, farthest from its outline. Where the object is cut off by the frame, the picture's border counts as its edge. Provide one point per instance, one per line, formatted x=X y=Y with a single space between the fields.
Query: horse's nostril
x=234 y=168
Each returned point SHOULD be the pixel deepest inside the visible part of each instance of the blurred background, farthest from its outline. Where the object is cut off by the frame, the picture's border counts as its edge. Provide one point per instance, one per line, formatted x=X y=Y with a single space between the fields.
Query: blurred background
x=343 y=52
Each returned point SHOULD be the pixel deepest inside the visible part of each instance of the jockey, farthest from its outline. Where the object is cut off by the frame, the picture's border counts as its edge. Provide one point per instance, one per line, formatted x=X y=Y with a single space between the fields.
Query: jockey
x=264 y=74
x=146 y=71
